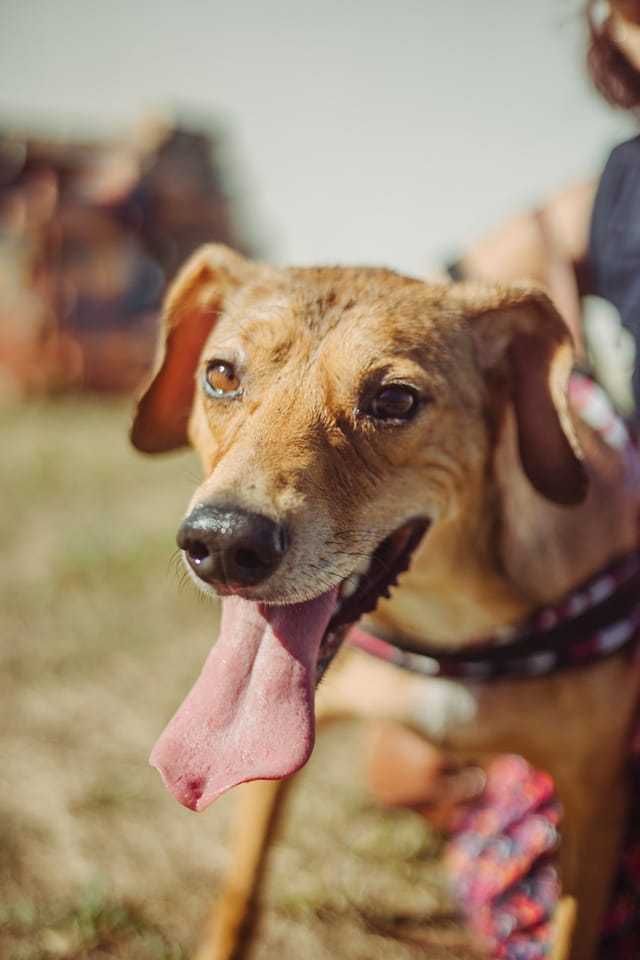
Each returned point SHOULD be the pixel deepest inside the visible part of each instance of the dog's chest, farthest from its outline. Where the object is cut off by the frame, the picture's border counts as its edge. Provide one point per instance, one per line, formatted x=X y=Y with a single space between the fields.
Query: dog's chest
x=564 y=719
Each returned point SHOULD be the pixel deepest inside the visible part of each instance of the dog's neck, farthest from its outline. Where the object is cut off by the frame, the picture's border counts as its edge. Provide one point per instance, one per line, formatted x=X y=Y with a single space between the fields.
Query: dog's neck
x=508 y=551
x=455 y=590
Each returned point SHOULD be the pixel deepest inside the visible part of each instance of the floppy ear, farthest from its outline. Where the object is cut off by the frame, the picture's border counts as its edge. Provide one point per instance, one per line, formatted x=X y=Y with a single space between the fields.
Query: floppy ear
x=521 y=337
x=191 y=308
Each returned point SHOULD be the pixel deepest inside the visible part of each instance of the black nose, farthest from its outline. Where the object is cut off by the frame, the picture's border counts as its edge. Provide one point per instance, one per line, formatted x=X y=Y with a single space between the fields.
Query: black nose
x=229 y=546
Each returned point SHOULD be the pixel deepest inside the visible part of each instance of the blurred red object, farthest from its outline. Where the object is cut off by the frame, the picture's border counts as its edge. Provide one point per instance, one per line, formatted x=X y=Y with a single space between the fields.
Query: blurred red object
x=89 y=234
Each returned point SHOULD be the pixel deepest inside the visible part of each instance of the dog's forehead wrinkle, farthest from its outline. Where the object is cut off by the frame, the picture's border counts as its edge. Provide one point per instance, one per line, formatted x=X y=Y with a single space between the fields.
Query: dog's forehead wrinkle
x=321 y=297
x=304 y=310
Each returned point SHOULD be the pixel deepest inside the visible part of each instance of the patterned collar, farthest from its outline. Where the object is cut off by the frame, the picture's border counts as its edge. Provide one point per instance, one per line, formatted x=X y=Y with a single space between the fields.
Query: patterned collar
x=597 y=619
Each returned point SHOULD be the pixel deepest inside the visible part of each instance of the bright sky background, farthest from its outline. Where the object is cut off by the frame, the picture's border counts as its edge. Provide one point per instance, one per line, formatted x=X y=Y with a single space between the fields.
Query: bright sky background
x=366 y=131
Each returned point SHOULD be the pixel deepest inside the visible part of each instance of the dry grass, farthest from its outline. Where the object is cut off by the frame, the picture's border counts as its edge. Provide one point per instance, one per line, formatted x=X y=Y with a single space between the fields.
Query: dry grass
x=98 y=644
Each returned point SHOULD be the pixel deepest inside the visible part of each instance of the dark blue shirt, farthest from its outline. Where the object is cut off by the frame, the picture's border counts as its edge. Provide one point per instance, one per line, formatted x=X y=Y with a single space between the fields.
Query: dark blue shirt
x=614 y=243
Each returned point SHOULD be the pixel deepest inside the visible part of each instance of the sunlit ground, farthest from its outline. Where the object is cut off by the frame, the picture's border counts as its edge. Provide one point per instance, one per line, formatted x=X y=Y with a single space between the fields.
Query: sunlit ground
x=99 y=642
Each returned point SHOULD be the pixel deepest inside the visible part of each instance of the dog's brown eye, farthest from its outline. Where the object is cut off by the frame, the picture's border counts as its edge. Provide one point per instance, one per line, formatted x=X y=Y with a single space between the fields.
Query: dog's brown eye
x=394 y=403
x=221 y=379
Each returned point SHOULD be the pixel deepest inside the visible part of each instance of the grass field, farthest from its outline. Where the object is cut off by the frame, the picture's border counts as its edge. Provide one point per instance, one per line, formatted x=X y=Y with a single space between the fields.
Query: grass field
x=99 y=642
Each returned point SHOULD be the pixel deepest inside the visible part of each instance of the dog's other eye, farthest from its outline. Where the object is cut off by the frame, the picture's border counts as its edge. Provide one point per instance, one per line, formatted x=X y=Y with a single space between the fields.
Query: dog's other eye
x=394 y=403
x=221 y=379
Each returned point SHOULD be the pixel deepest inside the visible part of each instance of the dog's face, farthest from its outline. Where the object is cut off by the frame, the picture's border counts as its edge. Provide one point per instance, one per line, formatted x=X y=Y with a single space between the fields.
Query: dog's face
x=327 y=402
x=338 y=414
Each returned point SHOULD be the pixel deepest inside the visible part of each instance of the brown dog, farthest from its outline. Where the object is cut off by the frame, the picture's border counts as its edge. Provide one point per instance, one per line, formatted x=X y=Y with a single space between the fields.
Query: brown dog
x=350 y=421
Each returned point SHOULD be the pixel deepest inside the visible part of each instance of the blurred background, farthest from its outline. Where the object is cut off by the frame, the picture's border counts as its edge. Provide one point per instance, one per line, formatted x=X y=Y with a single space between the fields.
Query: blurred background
x=336 y=132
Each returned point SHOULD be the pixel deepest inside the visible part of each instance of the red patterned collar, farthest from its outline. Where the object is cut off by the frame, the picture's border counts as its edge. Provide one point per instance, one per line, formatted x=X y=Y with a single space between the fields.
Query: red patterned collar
x=597 y=619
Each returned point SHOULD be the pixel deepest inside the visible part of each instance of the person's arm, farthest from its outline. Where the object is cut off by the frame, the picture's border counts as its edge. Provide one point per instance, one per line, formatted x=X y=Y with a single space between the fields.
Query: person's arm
x=548 y=245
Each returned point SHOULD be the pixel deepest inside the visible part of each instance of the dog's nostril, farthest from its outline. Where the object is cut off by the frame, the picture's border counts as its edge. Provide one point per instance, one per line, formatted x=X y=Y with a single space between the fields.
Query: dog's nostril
x=248 y=559
x=197 y=550
x=281 y=540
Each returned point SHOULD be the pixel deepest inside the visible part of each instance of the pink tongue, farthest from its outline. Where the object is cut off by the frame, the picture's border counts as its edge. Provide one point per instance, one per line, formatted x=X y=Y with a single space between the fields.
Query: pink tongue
x=250 y=713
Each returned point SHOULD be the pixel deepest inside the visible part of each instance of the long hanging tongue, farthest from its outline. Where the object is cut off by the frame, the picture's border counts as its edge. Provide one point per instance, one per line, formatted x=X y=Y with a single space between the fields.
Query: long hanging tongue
x=250 y=713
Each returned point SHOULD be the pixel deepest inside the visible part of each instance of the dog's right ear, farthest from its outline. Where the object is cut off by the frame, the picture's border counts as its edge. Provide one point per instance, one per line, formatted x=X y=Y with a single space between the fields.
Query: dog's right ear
x=191 y=308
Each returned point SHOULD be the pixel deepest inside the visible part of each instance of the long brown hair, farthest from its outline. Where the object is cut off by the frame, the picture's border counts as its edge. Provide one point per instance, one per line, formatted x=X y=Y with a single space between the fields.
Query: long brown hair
x=613 y=74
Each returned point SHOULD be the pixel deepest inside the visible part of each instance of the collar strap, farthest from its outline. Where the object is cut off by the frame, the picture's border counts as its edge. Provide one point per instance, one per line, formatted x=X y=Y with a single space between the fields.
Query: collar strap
x=597 y=619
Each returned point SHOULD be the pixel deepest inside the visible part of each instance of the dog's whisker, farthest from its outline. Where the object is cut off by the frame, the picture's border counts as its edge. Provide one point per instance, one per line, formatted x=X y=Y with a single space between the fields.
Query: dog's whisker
x=184 y=582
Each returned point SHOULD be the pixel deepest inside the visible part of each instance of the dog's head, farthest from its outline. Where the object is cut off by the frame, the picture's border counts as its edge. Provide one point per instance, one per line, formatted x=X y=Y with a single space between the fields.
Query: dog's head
x=338 y=414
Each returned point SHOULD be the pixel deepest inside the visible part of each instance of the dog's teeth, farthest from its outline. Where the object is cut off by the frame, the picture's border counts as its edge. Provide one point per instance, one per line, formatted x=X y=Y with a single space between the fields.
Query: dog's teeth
x=350 y=585
x=363 y=566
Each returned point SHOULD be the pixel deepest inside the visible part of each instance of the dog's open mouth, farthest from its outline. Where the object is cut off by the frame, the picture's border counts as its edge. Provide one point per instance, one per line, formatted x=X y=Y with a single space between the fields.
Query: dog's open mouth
x=359 y=593
x=250 y=714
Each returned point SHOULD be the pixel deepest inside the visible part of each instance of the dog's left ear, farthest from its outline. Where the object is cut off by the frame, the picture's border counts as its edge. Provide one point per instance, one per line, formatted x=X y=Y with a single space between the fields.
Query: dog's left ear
x=191 y=308
x=520 y=336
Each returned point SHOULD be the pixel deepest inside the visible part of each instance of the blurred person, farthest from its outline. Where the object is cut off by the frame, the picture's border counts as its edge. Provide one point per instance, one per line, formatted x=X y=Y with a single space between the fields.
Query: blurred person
x=585 y=240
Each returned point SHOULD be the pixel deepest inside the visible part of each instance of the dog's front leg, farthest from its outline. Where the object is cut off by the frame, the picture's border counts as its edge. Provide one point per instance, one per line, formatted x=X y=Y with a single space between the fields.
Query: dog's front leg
x=589 y=855
x=254 y=815
x=358 y=685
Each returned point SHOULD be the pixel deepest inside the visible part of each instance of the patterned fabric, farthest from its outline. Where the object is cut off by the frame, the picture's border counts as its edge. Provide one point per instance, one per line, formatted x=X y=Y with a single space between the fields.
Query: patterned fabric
x=501 y=861
x=593 y=405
